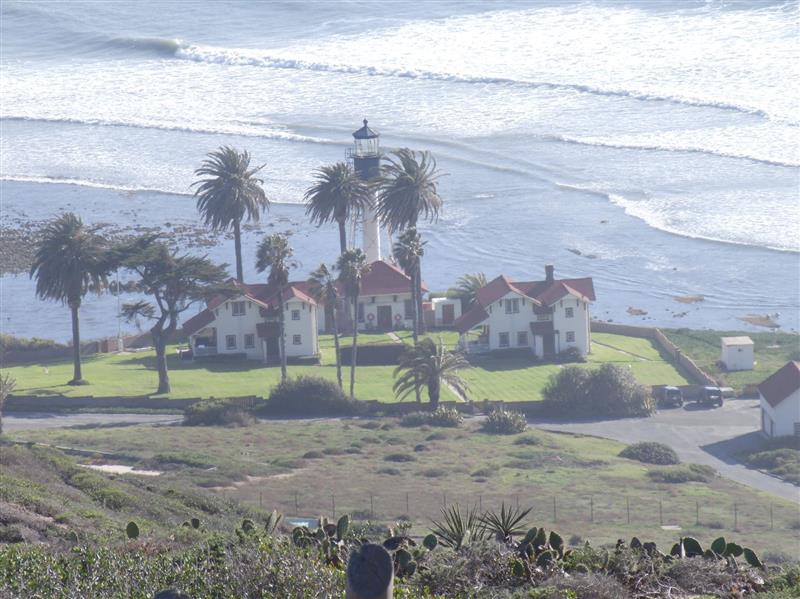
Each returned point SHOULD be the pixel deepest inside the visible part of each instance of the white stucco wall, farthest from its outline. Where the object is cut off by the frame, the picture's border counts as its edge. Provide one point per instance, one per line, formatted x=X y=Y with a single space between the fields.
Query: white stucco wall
x=395 y=301
x=438 y=307
x=780 y=420
x=737 y=357
x=226 y=324
x=501 y=322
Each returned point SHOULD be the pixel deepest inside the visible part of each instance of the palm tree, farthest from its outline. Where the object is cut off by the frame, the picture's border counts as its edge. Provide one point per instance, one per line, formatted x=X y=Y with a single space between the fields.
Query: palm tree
x=353 y=267
x=408 y=192
x=408 y=251
x=468 y=285
x=323 y=288
x=7 y=384
x=275 y=253
x=338 y=194
x=71 y=259
x=429 y=364
x=229 y=193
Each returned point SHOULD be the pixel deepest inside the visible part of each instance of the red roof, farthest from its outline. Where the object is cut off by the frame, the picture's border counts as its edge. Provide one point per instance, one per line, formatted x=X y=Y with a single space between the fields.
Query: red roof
x=470 y=318
x=385 y=279
x=781 y=384
x=198 y=322
x=540 y=293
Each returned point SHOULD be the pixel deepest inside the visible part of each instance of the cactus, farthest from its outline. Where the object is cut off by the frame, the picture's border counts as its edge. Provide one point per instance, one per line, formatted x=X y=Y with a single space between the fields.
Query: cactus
x=719 y=545
x=556 y=542
x=272 y=522
x=733 y=550
x=248 y=525
x=342 y=527
x=132 y=530
x=430 y=542
x=195 y=523
x=752 y=559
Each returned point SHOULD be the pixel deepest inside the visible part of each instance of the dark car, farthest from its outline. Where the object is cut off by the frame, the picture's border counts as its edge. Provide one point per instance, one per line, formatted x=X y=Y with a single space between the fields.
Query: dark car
x=710 y=396
x=670 y=397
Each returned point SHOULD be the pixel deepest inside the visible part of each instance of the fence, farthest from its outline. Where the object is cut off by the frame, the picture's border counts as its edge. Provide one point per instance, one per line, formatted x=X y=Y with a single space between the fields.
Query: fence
x=655 y=335
x=608 y=514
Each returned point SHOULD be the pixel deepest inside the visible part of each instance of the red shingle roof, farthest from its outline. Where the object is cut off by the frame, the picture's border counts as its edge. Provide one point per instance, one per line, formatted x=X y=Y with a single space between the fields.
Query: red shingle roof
x=781 y=384
x=385 y=279
x=470 y=318
x=198 y=322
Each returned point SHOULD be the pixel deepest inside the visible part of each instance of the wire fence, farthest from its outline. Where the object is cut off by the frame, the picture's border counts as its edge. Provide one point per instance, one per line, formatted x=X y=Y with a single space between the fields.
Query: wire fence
x=612 y=509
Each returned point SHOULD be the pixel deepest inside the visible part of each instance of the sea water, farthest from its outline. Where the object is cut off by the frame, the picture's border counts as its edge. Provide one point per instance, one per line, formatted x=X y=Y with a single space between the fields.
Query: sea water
x=650 y=145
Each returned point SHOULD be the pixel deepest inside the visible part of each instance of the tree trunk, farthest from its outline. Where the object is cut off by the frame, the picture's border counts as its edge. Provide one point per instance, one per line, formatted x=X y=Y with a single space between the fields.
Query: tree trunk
x=77 y=375
x=237 y=242
x=160 y=344
x=282 y=338
x=420 y=311
x=434 y=388
x=414 y=312
x=342 y=236
x=336 y=347
x=355 y=349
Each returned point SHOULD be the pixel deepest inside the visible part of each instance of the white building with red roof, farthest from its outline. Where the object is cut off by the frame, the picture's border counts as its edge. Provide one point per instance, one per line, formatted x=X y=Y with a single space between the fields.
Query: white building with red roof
x=780 y=402
x=248 y=324
x=546 y=317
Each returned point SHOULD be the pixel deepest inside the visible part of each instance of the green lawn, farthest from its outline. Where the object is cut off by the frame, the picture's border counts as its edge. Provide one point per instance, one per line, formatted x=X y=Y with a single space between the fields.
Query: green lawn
x=505 y=378
x=355 y=468
x=772 y=350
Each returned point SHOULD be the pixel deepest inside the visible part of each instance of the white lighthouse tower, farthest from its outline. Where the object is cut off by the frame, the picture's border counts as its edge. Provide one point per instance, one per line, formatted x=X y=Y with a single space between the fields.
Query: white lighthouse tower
x=366 y=162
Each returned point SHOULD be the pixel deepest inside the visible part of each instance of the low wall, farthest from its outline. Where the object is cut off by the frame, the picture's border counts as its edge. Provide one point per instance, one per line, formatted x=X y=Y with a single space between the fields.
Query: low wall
x=33 y=403
x=660 y=339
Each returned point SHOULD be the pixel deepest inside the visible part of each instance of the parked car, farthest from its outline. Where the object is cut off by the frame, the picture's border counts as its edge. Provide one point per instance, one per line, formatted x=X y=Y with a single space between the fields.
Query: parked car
x=710 y=396
x=670 y=397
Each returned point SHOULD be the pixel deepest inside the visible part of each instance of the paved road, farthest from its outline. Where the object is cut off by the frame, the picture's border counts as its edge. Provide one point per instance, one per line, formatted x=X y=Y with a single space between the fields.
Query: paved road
x=711 y=436
x=20 y=421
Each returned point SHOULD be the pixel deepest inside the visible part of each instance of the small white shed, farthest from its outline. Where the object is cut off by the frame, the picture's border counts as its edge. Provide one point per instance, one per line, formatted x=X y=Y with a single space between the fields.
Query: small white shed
x=780 y=402
x=737 y=353
x=445 y=311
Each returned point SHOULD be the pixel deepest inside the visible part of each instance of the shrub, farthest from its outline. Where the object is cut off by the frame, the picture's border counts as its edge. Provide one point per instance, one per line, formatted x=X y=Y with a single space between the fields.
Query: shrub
x=216 y=412
x=608 y=391
x=309 y=396
x=441 y=416
x=313 y=455
x=528 y=440
x=438 y=436
x=651 y=453
x=687 y=473
x=390 y=471
x=400 y=457
x=570 y=355
x=504 y=422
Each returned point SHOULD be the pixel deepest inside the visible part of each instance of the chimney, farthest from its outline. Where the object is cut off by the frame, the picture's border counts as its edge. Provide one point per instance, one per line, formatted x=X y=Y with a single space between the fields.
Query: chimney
x=548 y=271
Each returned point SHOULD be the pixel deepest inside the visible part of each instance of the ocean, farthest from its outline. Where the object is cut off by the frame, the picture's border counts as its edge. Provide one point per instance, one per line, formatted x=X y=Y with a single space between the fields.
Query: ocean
x=651 y=145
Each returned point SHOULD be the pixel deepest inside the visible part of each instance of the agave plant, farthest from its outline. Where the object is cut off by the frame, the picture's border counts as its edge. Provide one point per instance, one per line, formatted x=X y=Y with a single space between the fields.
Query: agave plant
x=457 y=529
x=506 y=523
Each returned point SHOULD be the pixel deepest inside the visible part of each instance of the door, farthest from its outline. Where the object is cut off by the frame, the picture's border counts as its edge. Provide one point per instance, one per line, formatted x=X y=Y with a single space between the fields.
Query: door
x=549 y=345
x=273 y=350
x=448 y=314
x=385 y=318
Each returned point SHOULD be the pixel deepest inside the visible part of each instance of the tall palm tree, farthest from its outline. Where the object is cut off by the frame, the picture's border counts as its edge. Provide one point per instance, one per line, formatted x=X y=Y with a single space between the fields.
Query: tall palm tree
x=406 y=193
x=275 y=253
x=339 y=195
x=408 y=251
x=353 y=267
x=229 y=193
x=70 y=260
x=468 y=285
x=429 y=364
x=324 y=289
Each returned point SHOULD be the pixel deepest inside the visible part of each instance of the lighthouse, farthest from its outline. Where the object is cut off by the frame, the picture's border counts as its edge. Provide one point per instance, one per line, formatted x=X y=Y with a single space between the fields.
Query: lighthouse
x=366 y=162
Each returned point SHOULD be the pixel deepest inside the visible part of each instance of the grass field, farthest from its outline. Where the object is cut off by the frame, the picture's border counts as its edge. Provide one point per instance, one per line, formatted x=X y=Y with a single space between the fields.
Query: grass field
x=772 y=350
x=378 y=470
x=506 y=378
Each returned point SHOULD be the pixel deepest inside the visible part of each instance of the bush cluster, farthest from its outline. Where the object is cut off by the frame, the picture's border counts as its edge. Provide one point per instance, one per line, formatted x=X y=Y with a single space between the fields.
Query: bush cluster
x=309 y=396
x=216 y=412
x=608 y=391
x=570 y=355
x=685 y=473
x=10 y=343
x=650 y=452
x=504 y=422
x=441 y=416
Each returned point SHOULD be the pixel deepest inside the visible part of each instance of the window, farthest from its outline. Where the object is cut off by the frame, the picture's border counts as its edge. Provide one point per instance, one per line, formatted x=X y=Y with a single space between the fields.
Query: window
x=238 y=308
x=230 y=341
x=569 y=312
x=360 y=312
x=297 y=340
x=522 y=339
x=295 y=314
x=504 y=340
x=542 y=317
x=249 y=341
x=512 y=306
x=408 y=309
x=570 y=337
